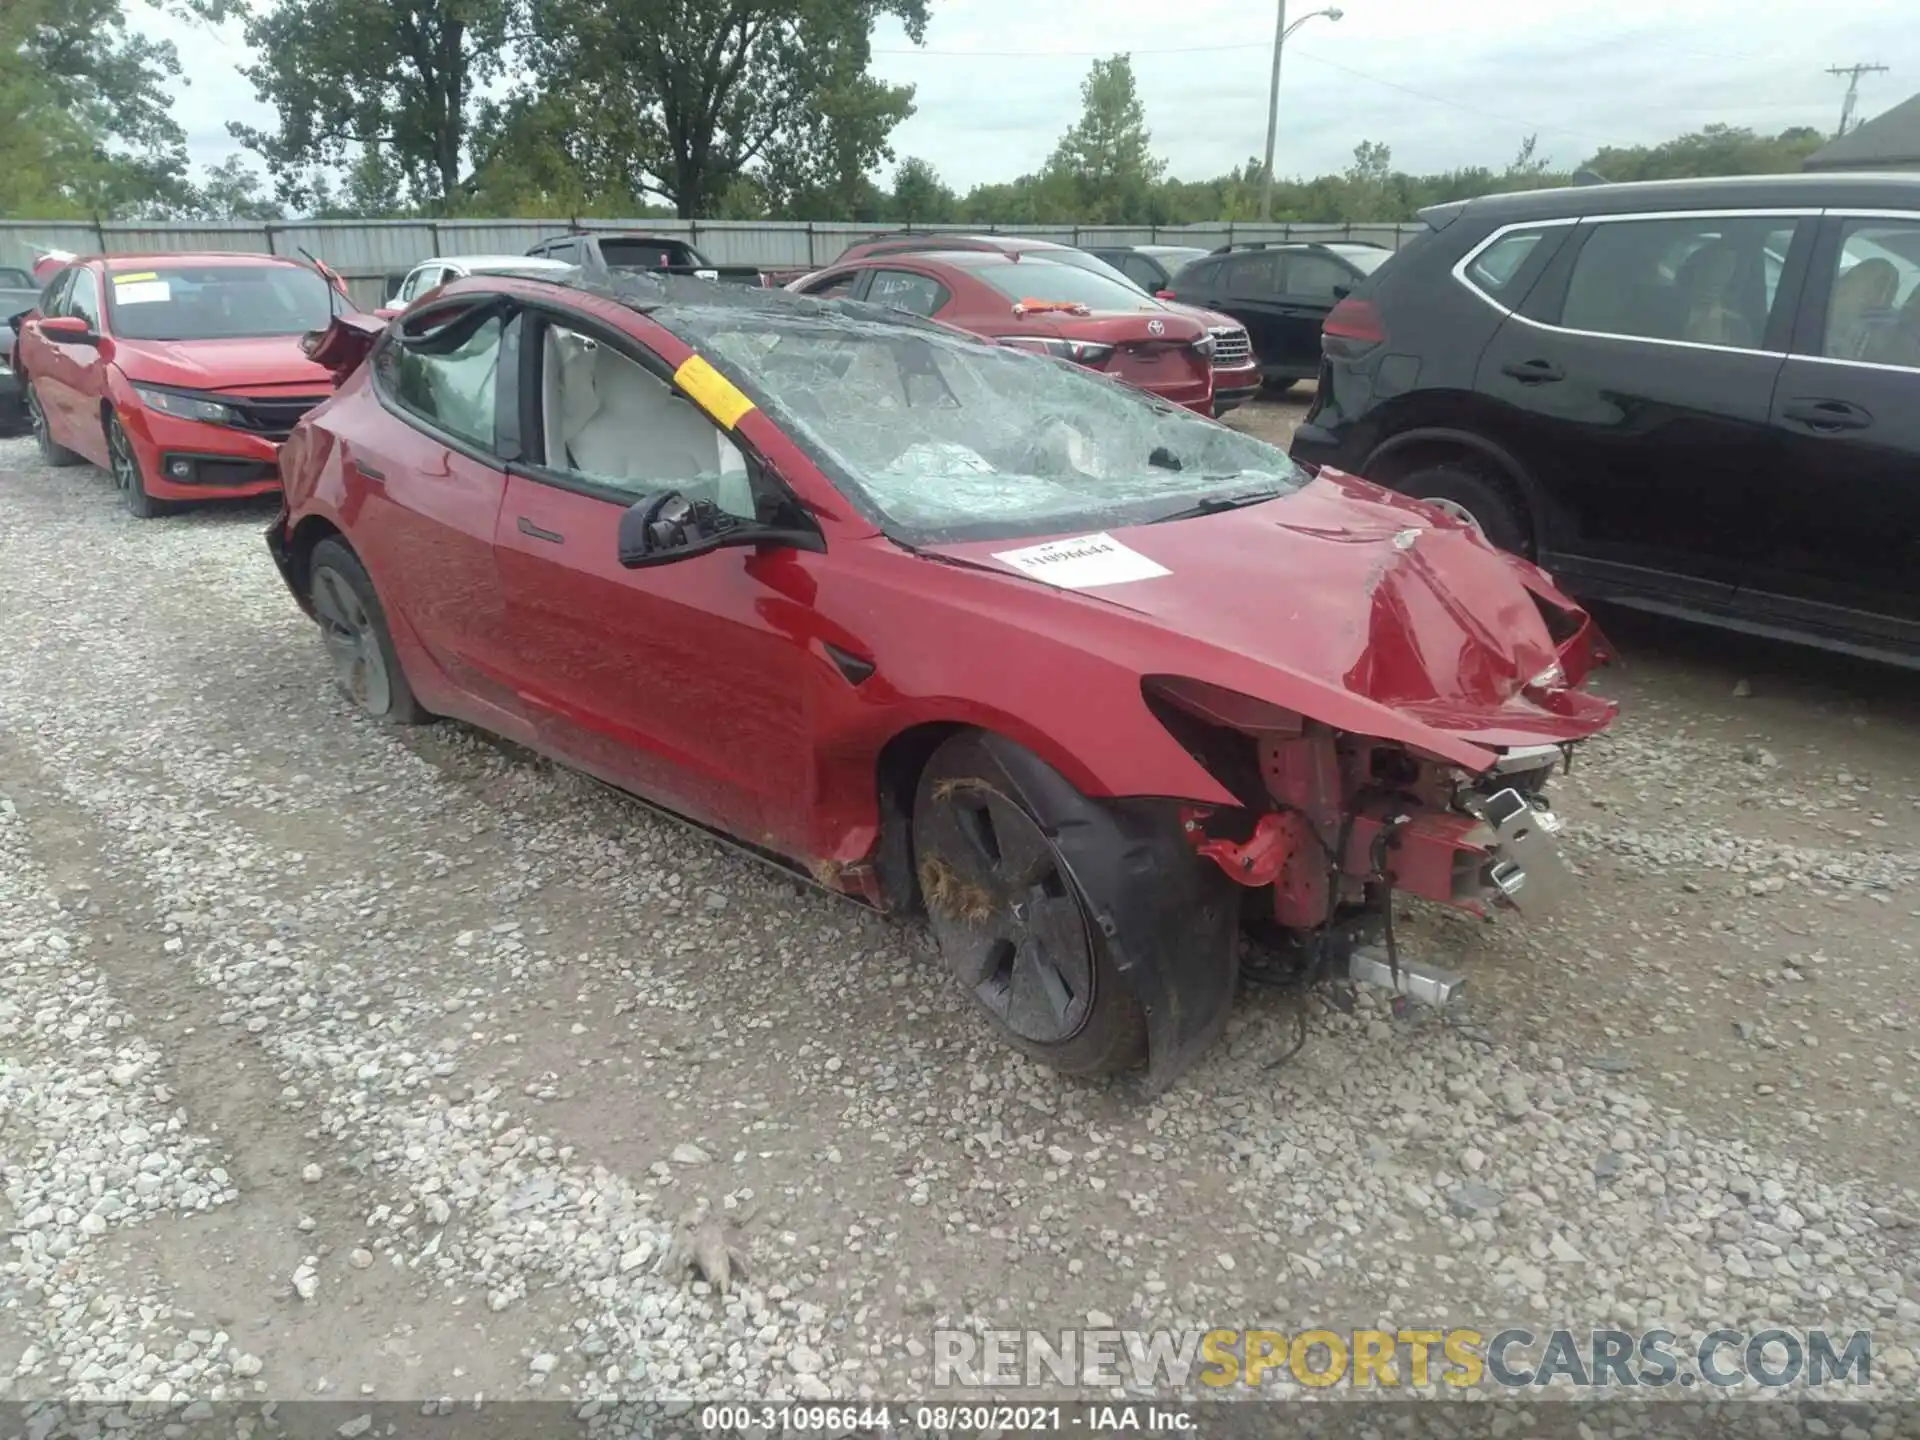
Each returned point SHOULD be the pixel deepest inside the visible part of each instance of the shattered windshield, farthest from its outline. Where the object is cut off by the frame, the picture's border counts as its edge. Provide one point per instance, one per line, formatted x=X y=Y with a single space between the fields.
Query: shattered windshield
x=942 y=438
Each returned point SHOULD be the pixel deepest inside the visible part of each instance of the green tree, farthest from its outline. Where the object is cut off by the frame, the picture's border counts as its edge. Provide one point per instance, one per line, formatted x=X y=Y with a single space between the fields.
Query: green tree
x=1714 y=150
x=919 y=197
x=399 y=80
x=1370 y=184
x=85 y=112
x=1106 y=159
x=234 y=190
x=677 y=98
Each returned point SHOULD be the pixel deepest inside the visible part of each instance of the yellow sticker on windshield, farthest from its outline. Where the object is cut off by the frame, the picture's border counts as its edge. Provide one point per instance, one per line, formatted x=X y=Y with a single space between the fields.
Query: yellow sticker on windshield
x=136 y=275
x=712 y=391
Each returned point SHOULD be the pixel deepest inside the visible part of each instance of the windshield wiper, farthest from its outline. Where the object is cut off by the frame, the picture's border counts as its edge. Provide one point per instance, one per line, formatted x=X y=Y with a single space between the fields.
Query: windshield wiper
x=1214 y=504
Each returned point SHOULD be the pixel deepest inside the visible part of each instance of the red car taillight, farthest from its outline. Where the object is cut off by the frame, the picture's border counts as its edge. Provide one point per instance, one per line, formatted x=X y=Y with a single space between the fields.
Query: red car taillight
x=1352 y=328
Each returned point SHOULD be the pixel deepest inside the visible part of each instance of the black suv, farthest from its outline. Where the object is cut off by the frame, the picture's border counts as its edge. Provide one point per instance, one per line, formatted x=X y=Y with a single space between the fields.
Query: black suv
x=1281 y=291
x=1698 y=397
x=1151 y=267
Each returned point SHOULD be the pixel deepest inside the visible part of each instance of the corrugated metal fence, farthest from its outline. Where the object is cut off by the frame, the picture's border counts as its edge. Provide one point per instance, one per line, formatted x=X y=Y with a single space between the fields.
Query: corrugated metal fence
x=367 y=251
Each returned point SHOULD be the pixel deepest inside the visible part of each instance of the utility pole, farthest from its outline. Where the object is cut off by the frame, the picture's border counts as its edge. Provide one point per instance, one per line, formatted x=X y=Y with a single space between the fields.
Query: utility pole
x=1281 y=30
x=1273 y=111
x=1853 y=74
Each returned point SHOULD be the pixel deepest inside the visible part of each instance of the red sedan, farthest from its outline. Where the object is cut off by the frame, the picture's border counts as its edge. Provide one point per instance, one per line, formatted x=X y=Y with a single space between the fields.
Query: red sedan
x=1039 y=304
x=945 y=626
x=179 y=374
x=1236 y=378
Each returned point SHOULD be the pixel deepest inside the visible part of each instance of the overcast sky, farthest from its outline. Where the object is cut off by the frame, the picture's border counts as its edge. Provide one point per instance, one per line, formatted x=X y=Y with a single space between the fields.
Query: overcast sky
x=1444 y=82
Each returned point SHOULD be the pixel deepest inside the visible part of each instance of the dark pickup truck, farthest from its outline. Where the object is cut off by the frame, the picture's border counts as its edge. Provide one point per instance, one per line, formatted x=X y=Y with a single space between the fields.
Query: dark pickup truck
x=17 y=293
x=643 y=252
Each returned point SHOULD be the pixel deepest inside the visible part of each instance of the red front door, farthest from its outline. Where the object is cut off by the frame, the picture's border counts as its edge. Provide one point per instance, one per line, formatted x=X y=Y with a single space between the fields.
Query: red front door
x=70 y=379
x=687 y=683
x=424 y=493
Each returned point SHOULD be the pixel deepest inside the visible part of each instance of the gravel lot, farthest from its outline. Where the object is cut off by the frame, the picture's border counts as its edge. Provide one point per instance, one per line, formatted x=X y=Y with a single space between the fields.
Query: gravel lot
x=337 y=1061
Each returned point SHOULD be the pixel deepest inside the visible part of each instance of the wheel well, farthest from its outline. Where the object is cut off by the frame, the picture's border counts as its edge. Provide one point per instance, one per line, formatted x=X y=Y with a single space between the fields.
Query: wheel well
x=300 y=547
x=1393 y=463
x=897 y=777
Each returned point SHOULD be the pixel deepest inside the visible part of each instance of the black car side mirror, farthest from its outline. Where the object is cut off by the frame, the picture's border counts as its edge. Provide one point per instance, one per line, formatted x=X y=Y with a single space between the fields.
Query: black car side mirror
x=665 y=526
x=1340 y=292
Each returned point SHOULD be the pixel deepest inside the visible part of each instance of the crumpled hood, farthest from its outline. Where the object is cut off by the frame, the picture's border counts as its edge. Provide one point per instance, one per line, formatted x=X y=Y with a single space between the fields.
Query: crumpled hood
x=1363 y=592
x=248 y=366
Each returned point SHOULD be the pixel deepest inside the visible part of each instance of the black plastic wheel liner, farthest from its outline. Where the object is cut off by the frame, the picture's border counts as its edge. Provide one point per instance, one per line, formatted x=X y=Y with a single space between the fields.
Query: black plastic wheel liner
x=1170 y=919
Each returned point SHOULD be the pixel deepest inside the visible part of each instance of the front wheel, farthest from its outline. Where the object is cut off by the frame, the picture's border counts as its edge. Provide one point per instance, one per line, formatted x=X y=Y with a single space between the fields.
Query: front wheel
x=1472 y=497
x=354 y=625
x=52 y=452
x=1274 y=389
x=1011 y=924
x=127 y=478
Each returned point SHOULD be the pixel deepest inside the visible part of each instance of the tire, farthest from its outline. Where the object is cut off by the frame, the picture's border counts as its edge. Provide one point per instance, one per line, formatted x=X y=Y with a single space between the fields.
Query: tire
x=1274 y=389
x=124 y=466
x=354 y=625
x=1011 y=925
x=51 y=451
x=1467 y=495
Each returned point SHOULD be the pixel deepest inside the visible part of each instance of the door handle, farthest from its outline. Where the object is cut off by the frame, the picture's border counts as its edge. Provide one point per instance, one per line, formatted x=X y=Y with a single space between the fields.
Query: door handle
x=534 y=532
x=379 y=477
x=1534 y=372
x=1827 y=416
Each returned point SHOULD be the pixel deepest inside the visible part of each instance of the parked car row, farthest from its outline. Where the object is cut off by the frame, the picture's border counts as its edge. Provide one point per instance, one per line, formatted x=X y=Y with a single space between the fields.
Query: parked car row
x=929 y=577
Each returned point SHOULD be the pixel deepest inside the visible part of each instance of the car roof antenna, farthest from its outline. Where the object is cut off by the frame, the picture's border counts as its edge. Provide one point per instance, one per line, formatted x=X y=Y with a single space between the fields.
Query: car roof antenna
x=327 y=274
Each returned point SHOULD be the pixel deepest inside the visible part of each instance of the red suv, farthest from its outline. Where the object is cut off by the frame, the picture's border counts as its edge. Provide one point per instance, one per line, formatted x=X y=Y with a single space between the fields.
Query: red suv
x=1236 y=376
x=180 y=374
x=1038 y=304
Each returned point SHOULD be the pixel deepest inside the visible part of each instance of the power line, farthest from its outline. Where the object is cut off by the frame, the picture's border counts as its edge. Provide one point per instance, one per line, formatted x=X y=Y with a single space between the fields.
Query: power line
x=1853 y=74
x=1457 y=105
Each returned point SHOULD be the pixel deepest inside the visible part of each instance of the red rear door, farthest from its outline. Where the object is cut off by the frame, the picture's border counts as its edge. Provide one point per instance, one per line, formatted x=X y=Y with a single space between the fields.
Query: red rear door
x=688 y=682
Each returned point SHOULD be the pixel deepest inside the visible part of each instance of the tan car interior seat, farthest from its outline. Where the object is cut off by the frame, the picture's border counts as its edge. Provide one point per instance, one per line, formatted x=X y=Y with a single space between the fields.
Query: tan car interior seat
x=607 y=418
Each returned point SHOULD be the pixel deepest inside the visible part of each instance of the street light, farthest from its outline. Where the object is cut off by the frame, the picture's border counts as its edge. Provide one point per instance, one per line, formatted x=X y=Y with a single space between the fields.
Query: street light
x=1281 y=30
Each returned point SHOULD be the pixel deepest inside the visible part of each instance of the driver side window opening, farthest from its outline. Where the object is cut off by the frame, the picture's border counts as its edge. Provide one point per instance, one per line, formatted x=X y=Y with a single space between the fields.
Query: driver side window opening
x=609 y=420
x=85 y=299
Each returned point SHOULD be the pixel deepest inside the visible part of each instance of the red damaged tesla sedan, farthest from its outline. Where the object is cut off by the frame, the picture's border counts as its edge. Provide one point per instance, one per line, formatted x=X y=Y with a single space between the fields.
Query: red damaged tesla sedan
x=178 y=374
x=947 y=626
x=1039 y=304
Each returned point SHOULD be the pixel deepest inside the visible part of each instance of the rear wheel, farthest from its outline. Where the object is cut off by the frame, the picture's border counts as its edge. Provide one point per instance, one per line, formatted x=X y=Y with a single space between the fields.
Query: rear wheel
x=354 y=626
x=1467 y=495
x=127 y=478
x=1010 y=923
x=52 y=452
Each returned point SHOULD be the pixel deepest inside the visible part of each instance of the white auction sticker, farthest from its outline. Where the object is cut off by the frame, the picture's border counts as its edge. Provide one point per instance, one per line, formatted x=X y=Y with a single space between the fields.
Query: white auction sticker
x=143 y=292
x=1082 y=563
